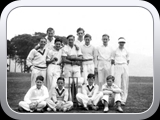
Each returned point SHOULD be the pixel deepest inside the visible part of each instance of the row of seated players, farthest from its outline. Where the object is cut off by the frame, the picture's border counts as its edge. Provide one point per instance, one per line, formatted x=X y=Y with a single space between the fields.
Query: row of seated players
x=37 y=98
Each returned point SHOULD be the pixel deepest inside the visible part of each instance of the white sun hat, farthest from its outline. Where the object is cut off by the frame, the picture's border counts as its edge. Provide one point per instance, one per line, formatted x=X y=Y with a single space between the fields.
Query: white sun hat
x=121 y=39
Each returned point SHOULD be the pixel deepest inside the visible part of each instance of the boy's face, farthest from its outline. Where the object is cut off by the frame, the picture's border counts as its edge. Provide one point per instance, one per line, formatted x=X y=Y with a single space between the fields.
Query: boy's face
x=87 y=40
x=71 y=40
x=42 y=42
x=90 y=81
x=39 y=84
x=58 y=45
x=121 y=44
x=109 y=82
x=80 y=33
x=60 y=84
x=105 y=39
x=50 y=33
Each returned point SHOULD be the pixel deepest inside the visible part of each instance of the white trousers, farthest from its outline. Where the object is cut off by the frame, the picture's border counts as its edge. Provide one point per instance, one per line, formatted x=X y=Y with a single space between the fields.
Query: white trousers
x=83 y=99
x=25 y=105
x=51 y=104
x=53 y=73
x=71 y=71
x=111 y=99
x=104 y=70
x=36 y=72
x=122 y=79
x=87 y=69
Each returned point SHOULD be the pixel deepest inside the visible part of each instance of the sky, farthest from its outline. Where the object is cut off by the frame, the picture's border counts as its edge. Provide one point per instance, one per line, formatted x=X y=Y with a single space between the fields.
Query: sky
x=135 y=24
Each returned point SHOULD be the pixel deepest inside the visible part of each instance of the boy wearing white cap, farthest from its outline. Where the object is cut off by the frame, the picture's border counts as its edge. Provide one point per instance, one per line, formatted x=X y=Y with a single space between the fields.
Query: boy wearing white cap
x=34 y=99
x=120 y=58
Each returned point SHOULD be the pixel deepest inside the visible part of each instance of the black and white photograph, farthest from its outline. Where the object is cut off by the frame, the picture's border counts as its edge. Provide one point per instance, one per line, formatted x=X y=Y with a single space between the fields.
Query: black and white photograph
x=80 y=60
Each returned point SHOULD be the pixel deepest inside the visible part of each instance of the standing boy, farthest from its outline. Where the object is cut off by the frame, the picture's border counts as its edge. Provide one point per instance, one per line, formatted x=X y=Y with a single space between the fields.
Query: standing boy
x=80 y=33
x=111 y=92
x=59 y=98
x=90 y=95
x=71 y=58
x=36 y=61
x=50 y=39
x=121 y=60
x=103 y=62
x=88 y=52
x=54 y=61
x=34 y=100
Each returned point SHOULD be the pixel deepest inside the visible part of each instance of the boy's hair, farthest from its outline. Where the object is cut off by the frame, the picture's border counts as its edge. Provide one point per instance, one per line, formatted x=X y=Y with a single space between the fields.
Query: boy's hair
x=105 y=35
x=40 y=77
x=90 y=76
x=42 y=38
x=80 y=29
x=58 y=40
x=110 y=77
x=70 y=36
x=61 y=78
x=49 y=29
x=88 y=35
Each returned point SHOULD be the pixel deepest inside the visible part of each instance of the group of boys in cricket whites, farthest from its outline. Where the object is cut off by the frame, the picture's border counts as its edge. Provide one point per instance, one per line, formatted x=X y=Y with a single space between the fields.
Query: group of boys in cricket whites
x=77 y=71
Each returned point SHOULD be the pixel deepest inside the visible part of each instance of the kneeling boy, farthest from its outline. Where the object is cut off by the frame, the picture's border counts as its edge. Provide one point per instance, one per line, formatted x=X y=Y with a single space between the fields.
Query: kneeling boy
x=110 y=90
x=59 y=98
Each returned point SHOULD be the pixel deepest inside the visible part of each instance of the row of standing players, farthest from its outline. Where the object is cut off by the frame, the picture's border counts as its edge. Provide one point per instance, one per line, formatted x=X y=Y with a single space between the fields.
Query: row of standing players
x=79 y=58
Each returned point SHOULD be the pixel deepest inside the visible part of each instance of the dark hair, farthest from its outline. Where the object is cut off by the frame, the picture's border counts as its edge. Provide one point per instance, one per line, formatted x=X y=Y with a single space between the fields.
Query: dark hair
x=105 y=35
x=88 y=35
x=80 y=29
x=70 y=36
x=49 y=29
x=61 y=78
x=90 y=76
x=42 y=38
x=40 y=77
x=110 y=77
x=58 y=40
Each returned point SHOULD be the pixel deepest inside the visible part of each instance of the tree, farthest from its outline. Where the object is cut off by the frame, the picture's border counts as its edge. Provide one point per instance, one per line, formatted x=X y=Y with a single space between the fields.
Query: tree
x=10 y=53
x=22 y=45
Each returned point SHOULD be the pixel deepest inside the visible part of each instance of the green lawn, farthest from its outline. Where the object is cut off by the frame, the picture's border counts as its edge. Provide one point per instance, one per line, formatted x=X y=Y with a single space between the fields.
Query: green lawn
x=139 y=98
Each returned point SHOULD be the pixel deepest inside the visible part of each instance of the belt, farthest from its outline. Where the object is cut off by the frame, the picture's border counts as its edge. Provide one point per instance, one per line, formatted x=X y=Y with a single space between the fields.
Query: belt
x=71 y=64
x=40 y=67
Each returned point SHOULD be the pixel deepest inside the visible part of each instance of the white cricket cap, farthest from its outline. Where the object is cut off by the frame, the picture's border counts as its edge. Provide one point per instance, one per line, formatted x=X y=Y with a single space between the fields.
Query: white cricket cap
x=121 y=39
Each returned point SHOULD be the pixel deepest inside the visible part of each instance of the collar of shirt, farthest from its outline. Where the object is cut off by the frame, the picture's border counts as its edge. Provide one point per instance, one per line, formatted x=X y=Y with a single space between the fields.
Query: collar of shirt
x=59 y=89
x=90 y=86
x=48 y=41
x=86 y=45
x=35 y=87
x=104 y=46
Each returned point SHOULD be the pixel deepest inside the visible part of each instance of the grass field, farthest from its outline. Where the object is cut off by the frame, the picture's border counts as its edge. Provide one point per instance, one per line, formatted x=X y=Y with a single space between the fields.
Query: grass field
x=140 y=94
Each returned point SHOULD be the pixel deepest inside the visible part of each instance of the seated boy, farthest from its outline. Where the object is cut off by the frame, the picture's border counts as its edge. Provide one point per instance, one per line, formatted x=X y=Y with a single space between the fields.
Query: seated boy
x=34 y=99
x=59 y=98
x=111 y=92
x=90 y=95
